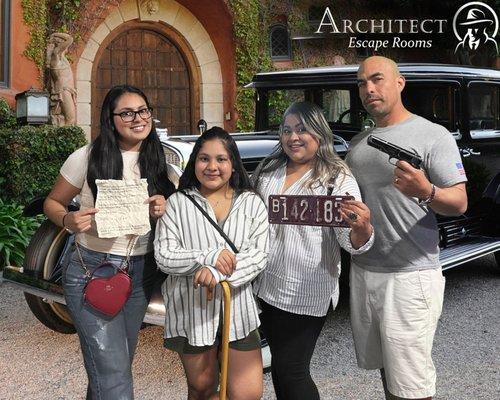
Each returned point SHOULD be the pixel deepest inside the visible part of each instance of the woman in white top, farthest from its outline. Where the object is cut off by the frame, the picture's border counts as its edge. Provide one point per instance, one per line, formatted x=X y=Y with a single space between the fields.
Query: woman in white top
x=301 y=279
x=126 y=148
x=196 y=257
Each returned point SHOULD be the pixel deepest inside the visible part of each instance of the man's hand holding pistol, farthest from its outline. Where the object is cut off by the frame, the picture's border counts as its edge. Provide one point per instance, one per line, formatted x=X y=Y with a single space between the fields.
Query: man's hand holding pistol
x=409 y=179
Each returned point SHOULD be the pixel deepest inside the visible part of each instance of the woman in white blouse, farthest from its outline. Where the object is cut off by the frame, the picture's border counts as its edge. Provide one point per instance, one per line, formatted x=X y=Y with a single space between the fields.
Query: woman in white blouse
x=301 y=279
x=196 y=257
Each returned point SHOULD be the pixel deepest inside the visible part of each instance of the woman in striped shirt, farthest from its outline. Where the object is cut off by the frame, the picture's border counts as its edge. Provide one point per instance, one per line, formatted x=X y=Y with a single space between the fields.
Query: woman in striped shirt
x=194 y=254
x=301 y=279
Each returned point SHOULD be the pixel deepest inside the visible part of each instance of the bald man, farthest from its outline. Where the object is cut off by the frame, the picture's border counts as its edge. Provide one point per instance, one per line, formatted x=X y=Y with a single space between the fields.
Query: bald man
x=397 y=286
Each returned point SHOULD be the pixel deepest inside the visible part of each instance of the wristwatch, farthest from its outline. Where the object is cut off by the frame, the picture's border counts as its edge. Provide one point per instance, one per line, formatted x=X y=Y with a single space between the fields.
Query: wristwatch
x=429 y=199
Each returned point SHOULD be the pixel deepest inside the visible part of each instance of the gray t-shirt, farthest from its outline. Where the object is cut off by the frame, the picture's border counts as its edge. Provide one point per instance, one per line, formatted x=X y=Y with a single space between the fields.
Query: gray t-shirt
x=406 y=234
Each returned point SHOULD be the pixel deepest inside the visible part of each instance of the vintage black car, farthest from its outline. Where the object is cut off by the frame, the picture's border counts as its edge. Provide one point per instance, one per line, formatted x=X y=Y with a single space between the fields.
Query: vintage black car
x=465 y=100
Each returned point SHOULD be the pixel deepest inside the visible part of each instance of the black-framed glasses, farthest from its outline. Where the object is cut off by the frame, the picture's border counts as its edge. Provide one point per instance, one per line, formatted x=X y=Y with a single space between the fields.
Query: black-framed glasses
x=129 y=116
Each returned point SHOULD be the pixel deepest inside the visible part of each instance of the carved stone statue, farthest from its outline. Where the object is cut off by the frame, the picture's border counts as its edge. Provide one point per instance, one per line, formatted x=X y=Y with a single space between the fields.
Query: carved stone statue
x=62 y=84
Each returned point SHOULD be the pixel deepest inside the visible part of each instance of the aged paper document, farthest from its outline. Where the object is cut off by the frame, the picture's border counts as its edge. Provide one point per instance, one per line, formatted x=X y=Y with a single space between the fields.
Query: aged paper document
x=121 y=207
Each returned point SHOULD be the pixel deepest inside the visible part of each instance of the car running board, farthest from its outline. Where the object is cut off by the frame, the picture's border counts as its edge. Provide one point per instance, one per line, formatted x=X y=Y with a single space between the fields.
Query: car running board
x=475 y=247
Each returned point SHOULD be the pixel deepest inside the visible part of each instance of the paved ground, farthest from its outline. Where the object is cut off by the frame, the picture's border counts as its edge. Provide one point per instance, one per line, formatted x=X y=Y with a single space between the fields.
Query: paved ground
x=38 y=364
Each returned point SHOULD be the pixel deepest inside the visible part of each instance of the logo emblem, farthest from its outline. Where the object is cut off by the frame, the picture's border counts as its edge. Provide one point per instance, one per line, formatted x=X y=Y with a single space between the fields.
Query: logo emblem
x=475 y=24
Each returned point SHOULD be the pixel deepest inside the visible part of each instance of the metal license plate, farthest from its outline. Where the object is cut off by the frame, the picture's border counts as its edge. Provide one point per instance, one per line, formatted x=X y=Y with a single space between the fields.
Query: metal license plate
x=306 y=210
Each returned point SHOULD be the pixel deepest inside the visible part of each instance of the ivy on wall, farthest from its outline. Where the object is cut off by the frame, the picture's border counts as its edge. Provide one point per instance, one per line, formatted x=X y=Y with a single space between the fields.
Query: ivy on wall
x=44 y=17
x=252 y=55
x=65 y=14
x=35 y=17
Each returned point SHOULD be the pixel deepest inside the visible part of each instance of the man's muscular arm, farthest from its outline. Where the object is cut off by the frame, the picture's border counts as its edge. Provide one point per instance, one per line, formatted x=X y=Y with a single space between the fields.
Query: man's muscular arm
x=412 y=182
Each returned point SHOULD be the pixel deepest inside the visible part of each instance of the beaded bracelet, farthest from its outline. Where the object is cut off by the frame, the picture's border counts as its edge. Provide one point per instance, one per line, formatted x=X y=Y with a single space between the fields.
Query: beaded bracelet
x=429 y=199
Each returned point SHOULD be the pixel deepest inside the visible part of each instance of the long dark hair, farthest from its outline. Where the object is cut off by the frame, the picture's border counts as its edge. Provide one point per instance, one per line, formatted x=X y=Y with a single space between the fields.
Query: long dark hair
x=239 y=180
x=105 y=160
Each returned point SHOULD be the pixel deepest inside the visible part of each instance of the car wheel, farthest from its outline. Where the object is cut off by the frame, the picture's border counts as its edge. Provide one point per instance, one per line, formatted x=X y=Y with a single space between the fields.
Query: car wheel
x=42 y=255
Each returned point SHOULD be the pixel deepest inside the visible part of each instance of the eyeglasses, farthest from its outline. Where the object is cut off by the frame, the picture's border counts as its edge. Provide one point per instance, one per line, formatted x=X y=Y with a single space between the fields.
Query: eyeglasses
x=129 y=116
x=288 y=132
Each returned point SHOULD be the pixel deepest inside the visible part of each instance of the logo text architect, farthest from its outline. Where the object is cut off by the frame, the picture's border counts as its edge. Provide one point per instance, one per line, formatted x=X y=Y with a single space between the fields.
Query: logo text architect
x=382 y=26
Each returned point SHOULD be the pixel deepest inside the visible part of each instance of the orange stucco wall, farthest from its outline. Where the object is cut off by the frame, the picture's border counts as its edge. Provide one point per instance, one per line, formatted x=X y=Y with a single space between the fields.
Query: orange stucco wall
x=23 y=72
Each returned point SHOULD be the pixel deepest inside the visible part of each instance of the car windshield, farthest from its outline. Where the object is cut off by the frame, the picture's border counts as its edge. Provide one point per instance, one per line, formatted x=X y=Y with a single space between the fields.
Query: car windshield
x=336 y=102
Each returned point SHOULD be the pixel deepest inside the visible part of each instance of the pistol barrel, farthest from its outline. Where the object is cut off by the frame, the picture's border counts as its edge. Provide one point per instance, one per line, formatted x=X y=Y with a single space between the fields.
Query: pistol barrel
x=394 y=151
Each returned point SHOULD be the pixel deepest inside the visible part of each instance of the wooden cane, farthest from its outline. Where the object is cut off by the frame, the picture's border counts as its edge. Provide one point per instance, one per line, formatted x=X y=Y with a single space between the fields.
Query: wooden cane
x=226 y=291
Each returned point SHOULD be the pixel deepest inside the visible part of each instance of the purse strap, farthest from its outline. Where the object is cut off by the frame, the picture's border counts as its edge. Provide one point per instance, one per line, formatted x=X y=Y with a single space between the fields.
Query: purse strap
x=216 y=226
x=130 y=246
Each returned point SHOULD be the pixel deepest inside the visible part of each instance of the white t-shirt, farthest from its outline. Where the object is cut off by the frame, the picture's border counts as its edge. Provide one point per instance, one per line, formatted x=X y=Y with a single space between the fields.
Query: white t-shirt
x=74 y=170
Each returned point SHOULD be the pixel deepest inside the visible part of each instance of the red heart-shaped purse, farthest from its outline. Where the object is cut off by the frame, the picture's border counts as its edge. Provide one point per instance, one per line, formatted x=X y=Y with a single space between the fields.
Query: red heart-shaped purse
x=108 y=294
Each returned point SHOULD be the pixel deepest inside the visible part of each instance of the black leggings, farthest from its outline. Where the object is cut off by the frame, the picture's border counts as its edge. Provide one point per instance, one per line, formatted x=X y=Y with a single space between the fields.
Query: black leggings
x=291 y=338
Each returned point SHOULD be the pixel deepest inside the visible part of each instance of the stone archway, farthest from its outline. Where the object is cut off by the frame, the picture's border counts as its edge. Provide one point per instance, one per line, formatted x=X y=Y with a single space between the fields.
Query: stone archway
x=198 y=48
x=141 y=57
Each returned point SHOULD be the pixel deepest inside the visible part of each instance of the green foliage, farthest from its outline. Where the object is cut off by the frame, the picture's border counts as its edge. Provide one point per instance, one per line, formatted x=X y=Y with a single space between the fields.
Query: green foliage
x=15 y=233
x=67 y=10
x=64 y=14
x=35 y=17
x=43 y=15
x=31 y=158
x=252 y=55
x=7 y=116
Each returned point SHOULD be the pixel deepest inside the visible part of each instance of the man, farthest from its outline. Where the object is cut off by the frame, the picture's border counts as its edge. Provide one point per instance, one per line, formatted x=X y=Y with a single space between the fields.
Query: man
x=397 y=286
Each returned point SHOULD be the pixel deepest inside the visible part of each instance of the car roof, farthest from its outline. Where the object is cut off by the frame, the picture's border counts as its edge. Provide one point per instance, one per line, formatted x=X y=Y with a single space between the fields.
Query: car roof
x=341 y=73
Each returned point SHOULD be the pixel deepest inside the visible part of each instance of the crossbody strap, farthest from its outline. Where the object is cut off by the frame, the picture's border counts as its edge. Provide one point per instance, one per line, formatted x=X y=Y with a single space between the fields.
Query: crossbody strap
x=216 y=226
x=125 y=263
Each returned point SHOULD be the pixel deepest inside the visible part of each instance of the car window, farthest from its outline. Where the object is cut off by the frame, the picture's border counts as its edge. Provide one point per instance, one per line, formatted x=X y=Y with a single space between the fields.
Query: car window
x=437 y=103
x=484 y=107
x=340 y=105
x=337 y=105
x=343 y=110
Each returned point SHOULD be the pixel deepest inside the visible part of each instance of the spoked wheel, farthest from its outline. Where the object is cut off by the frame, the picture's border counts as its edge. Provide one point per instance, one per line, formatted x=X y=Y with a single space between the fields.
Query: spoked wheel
x=42 y=256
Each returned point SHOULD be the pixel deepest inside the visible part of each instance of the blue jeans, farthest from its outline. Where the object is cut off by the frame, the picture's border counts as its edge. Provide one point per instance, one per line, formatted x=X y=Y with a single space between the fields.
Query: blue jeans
x=108 y=343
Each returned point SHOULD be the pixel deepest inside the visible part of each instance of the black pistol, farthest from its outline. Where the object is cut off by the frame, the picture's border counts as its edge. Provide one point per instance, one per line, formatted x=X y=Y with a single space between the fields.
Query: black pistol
x=395 y=151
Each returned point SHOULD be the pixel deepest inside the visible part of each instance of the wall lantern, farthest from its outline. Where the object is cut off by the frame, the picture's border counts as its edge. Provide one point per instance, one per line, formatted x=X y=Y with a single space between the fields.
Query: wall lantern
x=32 y=107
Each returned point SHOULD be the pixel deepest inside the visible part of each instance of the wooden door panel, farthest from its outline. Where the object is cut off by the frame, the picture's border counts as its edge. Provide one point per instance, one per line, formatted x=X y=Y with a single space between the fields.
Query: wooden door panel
x=151 y=62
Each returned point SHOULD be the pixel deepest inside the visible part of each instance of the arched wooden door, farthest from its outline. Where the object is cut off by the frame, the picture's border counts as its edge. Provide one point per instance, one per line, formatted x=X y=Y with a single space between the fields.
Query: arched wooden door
x=150 y=61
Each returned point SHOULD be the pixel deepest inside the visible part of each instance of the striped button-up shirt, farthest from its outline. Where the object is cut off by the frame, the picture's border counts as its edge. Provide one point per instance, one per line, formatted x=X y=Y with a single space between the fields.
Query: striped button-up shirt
x=304 y=261
x=185 y=241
